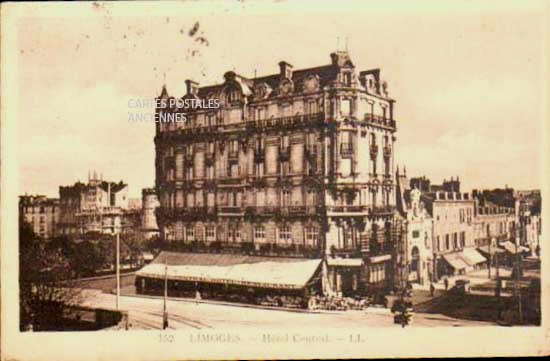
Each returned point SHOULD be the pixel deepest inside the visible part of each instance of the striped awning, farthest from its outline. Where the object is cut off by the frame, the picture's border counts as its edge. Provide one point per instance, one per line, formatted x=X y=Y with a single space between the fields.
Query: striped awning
x=345 y=262
x=473 y=257
x=455 y=261
x=233 y=269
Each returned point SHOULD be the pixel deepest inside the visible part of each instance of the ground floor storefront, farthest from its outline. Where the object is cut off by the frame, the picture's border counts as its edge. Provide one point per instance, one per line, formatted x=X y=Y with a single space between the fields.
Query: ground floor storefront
x=273 y=281
x=459 y=263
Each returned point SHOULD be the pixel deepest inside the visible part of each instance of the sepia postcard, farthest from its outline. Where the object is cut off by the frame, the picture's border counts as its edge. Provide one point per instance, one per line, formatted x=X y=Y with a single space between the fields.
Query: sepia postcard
x=274 y=179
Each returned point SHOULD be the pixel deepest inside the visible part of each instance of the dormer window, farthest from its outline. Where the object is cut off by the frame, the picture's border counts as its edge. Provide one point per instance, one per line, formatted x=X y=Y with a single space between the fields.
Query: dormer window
x=347 y=79
x=233 y=95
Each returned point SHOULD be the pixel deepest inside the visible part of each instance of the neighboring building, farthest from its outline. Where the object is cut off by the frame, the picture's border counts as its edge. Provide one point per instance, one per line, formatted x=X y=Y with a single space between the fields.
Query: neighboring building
x=296 y=164
x=149 y=203
x=528 y=212
x=418 y=253
x=41 y=213
x=495 y=222
x=453 y=236
x=423 y=184
x=96 y=206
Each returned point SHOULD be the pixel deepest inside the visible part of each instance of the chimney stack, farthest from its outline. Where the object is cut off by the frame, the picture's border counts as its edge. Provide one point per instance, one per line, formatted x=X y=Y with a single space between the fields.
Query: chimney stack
x=192 y=87
x=285 y=70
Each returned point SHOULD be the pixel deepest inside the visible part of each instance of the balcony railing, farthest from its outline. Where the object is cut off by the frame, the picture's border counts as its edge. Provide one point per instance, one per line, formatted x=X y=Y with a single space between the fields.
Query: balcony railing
x=387 y=151
x=347 y=209
x=231 y=209
x=379 y=120
x=373 y=150
x=346 y=149
x=259 y=154
x=230 y=180
x=284 y=153
x=233 y=155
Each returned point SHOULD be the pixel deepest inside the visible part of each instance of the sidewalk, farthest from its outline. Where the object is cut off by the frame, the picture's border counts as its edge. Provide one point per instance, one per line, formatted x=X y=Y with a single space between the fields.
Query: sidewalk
x=127 y=292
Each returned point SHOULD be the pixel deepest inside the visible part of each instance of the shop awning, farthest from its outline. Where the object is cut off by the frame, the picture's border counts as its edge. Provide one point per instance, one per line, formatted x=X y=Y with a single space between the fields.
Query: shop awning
x=494 y=250
x=267 y=272
x=378 y=259
x=472 y=256
x=511 y=247
x=455 y=261
x=345 y=262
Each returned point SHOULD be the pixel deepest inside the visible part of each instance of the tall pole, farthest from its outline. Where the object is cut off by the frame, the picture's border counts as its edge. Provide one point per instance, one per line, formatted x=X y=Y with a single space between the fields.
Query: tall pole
x=117 y=269
x=165 y=313
x=490 y=255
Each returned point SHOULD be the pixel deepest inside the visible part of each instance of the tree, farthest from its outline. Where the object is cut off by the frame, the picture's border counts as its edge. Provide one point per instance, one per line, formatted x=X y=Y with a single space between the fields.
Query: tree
x=45 y=288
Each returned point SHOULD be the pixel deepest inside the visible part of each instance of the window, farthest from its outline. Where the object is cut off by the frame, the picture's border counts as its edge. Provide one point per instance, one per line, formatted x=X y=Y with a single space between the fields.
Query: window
x=463 y=239
x=285 y=197
x=190 y=233
x=345 y=106
x=311 y=107
x=284 y=234
x=415 y=234
x=347 y=79
x=259 y=233
x=455 y=240
x=311 y=236
x=447 y=243
x=210 y=233
x=234 y=234
x=261 y=113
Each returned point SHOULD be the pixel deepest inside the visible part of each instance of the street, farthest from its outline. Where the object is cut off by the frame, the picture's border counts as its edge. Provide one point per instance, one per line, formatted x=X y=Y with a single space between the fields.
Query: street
x=146 y=313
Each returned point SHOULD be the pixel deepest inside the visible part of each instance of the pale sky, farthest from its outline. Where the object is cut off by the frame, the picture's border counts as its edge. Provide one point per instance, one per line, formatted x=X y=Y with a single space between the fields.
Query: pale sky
x=467 y=80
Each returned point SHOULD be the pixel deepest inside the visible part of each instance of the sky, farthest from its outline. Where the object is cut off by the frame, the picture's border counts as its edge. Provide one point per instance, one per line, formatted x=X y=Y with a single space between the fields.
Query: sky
x=466 y=77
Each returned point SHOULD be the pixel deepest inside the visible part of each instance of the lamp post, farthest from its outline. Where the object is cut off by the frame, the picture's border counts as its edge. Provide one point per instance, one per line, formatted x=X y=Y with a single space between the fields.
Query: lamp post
x=117 y=269
x=165 y=313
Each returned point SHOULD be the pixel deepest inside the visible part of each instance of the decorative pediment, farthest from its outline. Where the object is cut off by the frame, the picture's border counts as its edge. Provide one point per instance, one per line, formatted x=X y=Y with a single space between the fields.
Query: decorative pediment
x=262 y=91
x=286 y=87
x=311 y=84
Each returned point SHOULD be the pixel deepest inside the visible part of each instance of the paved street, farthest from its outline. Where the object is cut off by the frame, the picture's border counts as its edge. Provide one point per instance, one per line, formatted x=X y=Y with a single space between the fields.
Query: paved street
x=146 y=313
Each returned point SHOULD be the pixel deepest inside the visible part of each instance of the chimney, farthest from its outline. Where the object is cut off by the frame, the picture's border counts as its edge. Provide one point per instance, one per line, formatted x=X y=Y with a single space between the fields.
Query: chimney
x=192 y=87
x=285 y=70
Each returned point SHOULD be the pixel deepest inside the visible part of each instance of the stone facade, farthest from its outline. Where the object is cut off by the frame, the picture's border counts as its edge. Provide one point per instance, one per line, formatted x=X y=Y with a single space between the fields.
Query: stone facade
x=41 y=213
x=98 y=206
x=298 y=163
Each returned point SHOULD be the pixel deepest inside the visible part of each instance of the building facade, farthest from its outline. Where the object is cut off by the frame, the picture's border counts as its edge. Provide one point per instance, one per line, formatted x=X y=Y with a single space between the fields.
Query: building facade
x=417 y=252
x=97 y=206
x=299 y=164
x=41 y=213
x=149 y=201
x=453 y=233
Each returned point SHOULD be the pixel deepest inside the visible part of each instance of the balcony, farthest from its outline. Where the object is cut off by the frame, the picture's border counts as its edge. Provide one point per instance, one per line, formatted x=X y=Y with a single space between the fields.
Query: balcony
x=189 y=157
x=347 y=209
x=373 y=151
x=233 y=155
x=346 y=150
x=230 y=210
x=295 y=121
x=259 y=155
x=387 y=151
x=284 y=153
x=381 y=210
x=379 y=120
x=230 y=181
x=209 y=158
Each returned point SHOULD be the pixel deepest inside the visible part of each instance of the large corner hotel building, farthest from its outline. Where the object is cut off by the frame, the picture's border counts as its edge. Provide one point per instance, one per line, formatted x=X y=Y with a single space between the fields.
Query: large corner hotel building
x=297 y=165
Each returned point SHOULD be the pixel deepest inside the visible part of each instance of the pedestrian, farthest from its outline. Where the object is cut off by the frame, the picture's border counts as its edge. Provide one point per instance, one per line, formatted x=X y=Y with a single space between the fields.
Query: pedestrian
x=197 y=297
x=446 y=284
x=432 y=289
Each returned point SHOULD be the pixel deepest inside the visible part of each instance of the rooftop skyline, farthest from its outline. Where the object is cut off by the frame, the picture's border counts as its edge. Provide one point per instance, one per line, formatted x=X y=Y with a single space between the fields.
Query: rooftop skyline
x=467 y=82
